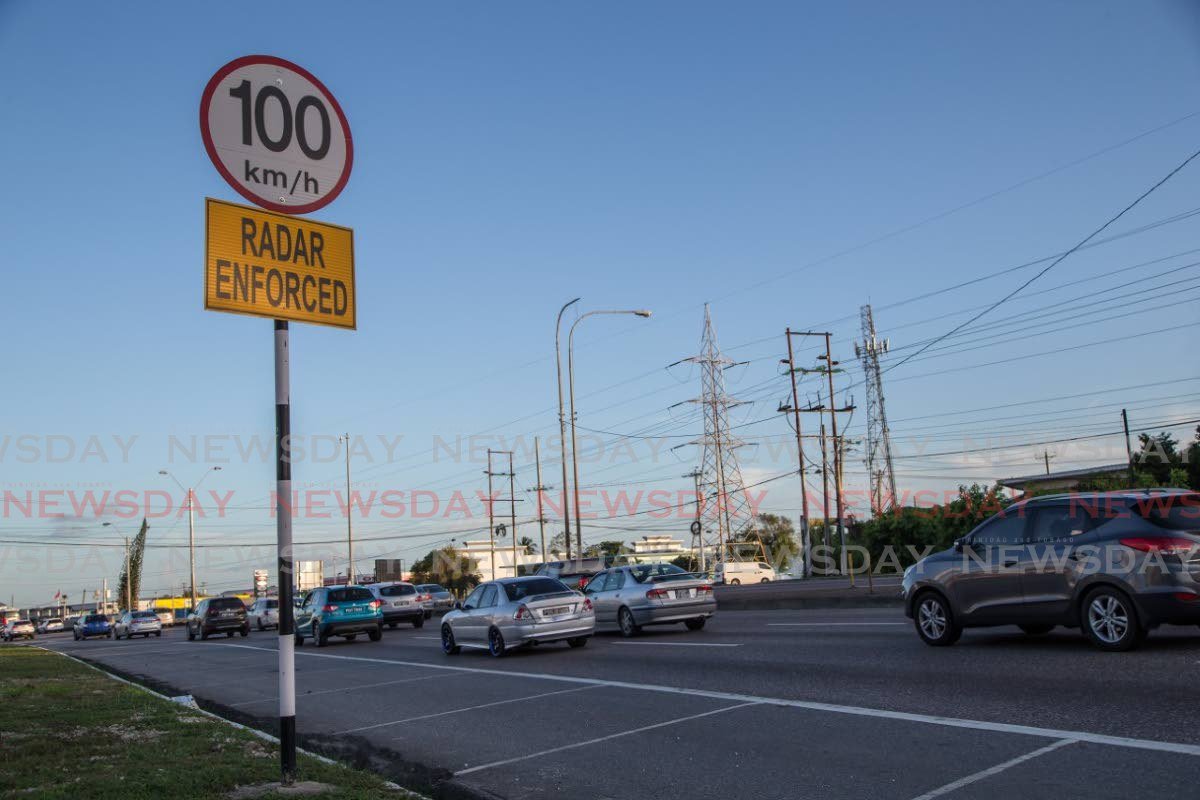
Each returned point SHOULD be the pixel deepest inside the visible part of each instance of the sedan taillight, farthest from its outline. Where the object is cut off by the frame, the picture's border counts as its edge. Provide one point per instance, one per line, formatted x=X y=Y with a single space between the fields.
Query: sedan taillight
x=523 y=613
x=587 y=604
x=656 y=594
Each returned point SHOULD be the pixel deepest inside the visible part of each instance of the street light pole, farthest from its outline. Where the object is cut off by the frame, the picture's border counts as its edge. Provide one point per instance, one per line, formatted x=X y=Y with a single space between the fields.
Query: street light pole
x=562 y=426
x=349 y=510
x=574 y=442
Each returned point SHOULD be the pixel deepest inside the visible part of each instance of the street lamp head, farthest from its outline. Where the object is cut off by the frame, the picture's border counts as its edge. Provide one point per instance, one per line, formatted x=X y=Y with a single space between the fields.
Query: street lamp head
x=643 y=312
x=163 y=472
x=216 y=469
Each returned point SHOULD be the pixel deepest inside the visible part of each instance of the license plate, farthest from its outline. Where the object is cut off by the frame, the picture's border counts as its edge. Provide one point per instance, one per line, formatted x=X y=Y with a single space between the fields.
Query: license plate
x=228 y=613
x=691 y=592
x=399 y=603
x=556 y=611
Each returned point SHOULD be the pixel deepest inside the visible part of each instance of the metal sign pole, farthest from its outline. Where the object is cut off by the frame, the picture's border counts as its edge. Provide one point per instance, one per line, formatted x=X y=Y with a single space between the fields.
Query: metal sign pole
x=283 y=536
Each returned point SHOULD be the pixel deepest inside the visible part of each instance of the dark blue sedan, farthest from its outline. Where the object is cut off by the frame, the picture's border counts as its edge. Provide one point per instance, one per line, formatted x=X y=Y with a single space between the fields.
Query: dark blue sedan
x=92 y=626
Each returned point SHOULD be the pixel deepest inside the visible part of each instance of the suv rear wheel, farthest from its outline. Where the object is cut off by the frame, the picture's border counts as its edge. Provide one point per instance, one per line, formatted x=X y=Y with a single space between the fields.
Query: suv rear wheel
x=1109 y=619
x=934 y=621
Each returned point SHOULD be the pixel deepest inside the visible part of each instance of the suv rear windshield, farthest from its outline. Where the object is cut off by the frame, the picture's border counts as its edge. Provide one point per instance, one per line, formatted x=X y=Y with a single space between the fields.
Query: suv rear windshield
x=144 y=615
x=351 y=595
x=533 y=586
x=397 y=590
x=430 y=588
x=226 y=602
x=272 y=604
x=95 y=618
x=1176 y=512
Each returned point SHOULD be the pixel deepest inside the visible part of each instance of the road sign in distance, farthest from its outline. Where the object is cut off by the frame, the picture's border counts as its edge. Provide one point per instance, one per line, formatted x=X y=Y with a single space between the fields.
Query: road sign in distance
x=276 y=266
x=276 y=134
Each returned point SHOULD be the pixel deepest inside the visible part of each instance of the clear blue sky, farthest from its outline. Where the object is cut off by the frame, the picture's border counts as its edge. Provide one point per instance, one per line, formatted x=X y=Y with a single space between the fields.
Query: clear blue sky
x=509 y=158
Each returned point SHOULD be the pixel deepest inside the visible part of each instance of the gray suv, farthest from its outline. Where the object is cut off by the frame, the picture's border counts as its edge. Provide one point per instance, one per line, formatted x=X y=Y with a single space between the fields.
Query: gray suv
x=1116 y=564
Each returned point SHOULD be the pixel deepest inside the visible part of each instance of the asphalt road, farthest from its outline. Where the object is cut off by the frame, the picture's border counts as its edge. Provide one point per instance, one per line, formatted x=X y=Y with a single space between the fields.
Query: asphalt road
x=834 y=703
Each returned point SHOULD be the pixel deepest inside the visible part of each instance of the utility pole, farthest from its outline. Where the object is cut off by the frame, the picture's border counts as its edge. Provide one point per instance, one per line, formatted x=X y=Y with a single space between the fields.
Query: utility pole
x=697 y=525
x=511 y=500
x=804 y=523
x=104 y=596
x=349 y=513
x=824 y=475
x=537 y=460
x=1046 y=455
x=1128 y=446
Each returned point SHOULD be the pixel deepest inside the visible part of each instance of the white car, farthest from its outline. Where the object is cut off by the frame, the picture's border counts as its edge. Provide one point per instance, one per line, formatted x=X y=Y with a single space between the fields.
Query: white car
x=264 y=613
x=18 y=629
x=165 y=615
x=735 y=572
x=52 y=625
x=137 y=623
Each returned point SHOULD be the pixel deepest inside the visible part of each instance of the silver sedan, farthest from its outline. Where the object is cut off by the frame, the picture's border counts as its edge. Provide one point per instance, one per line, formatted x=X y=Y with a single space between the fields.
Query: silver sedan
x=514 y=612
x=630 y=597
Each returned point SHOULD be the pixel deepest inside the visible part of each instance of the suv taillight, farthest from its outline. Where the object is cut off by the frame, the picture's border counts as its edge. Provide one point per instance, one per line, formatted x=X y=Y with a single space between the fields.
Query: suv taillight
x=329 y=607
x=376 y=603
x=1167 y=545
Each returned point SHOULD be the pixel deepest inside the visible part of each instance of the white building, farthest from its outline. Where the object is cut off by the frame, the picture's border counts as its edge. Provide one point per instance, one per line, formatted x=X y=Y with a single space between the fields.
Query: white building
x=480 y=550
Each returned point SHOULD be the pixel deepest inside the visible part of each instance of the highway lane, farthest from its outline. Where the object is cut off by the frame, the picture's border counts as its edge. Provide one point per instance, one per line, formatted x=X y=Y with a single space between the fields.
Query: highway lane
x=771 y=704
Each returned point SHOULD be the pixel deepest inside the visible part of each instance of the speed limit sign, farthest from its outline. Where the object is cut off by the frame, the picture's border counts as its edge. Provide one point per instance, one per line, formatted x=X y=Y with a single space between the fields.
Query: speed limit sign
x=276 y=134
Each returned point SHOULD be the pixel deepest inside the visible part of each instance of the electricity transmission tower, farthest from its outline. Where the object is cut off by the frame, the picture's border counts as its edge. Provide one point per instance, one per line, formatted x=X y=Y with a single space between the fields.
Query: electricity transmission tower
x=728 y=512
x=880 y=471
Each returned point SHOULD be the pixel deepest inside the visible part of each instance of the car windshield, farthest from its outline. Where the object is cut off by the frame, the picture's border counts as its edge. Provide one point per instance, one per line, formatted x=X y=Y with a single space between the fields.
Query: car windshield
x=91 y=618
x=532 y=587
x=657 y=572
x=1175 y=512
x=226 y=603
x=351 y=595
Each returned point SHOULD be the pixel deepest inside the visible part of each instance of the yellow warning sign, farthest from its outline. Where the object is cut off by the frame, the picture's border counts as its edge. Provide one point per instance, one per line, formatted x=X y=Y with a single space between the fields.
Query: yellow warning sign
x=273 y=265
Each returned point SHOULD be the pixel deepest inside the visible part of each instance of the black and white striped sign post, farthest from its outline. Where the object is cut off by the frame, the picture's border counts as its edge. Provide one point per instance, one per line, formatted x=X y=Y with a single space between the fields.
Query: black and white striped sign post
x=283 y=544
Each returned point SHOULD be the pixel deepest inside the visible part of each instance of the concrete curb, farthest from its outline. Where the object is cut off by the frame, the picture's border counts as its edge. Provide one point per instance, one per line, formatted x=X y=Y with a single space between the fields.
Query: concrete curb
x=801 y=601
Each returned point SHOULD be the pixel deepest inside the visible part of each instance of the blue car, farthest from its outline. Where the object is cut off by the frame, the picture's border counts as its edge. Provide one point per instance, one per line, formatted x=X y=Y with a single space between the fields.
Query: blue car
x=338 y=611
x=93 y=626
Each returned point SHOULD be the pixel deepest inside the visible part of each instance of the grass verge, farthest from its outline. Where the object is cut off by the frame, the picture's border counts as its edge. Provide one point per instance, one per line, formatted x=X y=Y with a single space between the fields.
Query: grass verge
x=67 y=731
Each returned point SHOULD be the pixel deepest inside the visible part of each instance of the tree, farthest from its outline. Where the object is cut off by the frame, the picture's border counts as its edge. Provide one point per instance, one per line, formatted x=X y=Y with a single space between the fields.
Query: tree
x=449 y=568
x=1157 y=456
x=605 y=548
x=134 y=577
x=687 y=562
x=909 y=531
x=528 y=545
x=778 y=539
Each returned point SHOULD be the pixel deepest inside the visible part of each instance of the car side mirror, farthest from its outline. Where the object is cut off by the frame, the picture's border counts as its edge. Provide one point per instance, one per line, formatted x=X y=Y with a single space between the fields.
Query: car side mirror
x=960 y=544
x=458 y=606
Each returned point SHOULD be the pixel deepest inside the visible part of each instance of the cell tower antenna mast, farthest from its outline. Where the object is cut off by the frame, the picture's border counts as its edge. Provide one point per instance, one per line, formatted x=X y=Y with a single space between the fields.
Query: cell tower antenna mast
x=880 y=470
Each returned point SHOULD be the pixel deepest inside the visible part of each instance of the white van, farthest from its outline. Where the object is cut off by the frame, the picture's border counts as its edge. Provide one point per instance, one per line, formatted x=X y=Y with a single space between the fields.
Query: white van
x=735 y=572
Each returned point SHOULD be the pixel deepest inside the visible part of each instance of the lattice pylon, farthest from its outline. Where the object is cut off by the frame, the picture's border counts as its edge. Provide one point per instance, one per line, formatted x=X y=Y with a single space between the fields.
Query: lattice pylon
x=725 y=513
x=880 y=470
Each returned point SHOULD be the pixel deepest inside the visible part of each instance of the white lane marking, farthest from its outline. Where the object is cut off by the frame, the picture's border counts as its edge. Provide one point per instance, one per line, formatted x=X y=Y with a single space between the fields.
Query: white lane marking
x=826 y=624
x=304 y=695
x=859 y=711
x=465 y=708
x=434 y=638
x=990 y=771
x=602 y=738
x=675 y=644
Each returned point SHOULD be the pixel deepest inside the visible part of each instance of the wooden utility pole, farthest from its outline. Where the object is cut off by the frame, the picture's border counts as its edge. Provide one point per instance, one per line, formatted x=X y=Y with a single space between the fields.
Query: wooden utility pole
x=1128 y=446
x=804 y=526
x=537 y=460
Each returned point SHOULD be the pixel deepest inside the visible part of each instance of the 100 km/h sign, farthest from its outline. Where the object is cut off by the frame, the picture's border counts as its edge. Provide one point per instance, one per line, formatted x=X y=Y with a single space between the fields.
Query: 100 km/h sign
x=276 y=134
x=276 y=266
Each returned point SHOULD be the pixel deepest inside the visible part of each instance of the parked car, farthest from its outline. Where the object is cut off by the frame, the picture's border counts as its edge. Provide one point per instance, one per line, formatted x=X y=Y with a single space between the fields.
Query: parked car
x=70 y=622
x=438 y=599
x=264 y=613
x=399 y=602
x=215 y=615
x=513 y=612
x=181 y=616
x=137 y=623
x=93 y=626
x=575 y=573
x=51 y=625
x=339 y=611
x=736 y=572
x=1116 y=564
x=629 y=598
x=19 y=629
x=166 y=616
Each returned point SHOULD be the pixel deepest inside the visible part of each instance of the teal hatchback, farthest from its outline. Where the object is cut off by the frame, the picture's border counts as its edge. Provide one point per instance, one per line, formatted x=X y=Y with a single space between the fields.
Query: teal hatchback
x=344 y=611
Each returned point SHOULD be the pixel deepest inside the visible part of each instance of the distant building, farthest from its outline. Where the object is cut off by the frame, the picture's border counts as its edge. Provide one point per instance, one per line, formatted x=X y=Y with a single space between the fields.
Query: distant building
x=480 y=550
x=657 y=547
x=1063 y=481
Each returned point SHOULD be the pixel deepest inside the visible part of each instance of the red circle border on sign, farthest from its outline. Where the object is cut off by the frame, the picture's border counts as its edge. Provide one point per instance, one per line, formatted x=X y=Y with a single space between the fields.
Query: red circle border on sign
x=206 y=134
